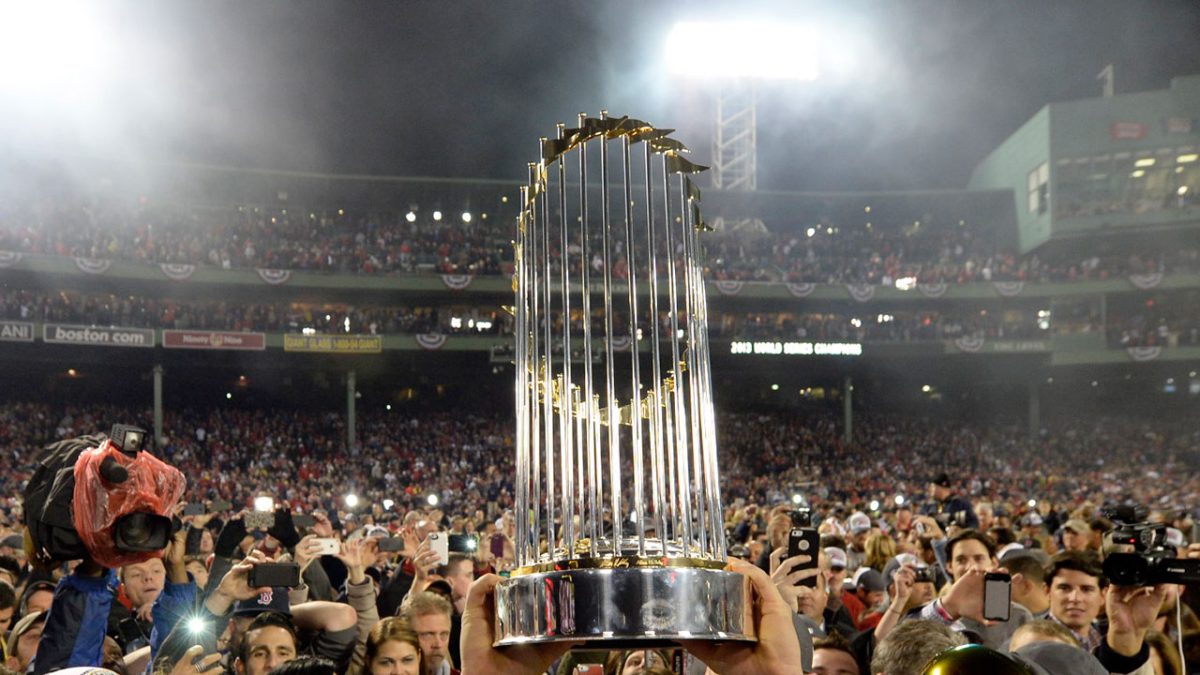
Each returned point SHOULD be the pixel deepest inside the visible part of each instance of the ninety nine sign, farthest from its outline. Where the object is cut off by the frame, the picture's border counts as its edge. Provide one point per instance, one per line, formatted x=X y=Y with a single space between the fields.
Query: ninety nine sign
x=333 y=344
x=16 y=331
x=797 y=348
x=199 y=339
x=93 y=335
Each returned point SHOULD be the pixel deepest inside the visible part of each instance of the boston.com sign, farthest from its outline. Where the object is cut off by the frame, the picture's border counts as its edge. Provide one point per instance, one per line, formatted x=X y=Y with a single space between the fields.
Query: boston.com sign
x=97 y=335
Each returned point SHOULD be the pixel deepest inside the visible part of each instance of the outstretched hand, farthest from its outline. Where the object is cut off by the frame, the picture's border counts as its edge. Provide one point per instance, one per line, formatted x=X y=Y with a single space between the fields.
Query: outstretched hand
x=479 y=657
x=777 y=651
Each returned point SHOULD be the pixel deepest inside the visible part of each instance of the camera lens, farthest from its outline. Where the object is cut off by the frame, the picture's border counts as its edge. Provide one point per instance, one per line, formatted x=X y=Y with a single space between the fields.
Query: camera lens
x=137 y=532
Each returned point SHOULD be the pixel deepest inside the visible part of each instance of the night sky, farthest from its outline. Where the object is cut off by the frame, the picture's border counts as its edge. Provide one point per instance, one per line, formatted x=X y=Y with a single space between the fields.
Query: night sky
x=463 y=89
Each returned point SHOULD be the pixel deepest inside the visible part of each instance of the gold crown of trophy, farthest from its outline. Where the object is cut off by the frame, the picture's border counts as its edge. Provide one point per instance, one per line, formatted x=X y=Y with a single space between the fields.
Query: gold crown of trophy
x=619 y=529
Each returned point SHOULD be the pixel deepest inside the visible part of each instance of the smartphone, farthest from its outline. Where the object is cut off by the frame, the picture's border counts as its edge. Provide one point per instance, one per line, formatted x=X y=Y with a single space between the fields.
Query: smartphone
x=462 y=543
x=274 y=574
x=192 y=543
x=218 y=507
x=329 y=546
x=805 y=541
x=391 y=544
x=303 y=520
x=439 y=544
x=259 y=519
x=997 y=596
x=193 y=509
x=589 y=669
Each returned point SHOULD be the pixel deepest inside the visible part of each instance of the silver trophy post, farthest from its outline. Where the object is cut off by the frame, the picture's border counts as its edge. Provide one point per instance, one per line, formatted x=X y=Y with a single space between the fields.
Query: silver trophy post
x=620 y=536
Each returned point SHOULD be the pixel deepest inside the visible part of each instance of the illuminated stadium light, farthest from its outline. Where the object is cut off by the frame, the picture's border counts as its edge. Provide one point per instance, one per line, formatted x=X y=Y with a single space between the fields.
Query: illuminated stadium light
x=410 y=217
x=742 y=49
x=466 y=216
x=264 y=504
x=437 y=215
x=53 y=46
x=1145 y=161
x=1187 y=159
x=432 y=500
x=351 y=500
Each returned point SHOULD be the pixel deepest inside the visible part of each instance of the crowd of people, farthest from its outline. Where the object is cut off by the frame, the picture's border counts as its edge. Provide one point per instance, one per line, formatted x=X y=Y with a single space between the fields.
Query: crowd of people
x=1160 y=321
x=895 y=508
x=132 y=311
x=244 y=237
x=386 y=242
x=926 y=255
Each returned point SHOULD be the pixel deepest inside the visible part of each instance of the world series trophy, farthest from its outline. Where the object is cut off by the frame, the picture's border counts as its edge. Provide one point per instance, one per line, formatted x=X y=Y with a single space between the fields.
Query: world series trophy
x=619 y=528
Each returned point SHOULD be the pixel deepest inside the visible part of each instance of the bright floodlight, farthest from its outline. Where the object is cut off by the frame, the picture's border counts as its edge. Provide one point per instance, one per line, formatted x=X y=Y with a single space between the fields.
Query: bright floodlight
x=351 y=500
x=432 y=499
x=51 y=45
x=742 y=49
x=264 y=504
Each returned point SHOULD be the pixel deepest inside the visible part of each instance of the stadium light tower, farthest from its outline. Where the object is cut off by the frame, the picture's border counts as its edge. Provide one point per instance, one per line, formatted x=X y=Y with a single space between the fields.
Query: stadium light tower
x=736 y=56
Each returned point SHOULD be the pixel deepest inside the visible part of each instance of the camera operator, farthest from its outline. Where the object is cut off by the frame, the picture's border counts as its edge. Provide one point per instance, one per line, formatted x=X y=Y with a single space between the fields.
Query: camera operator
x=948 y=508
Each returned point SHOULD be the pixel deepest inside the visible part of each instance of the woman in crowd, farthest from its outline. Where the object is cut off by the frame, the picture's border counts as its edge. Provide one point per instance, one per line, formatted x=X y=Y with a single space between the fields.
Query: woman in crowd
x=393 y=649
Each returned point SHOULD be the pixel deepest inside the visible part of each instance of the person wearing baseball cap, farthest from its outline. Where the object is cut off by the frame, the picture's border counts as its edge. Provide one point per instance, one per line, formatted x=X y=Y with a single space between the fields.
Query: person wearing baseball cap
x=948 y=508
x=1076 y=535
x=859 y=526
x=22 y=643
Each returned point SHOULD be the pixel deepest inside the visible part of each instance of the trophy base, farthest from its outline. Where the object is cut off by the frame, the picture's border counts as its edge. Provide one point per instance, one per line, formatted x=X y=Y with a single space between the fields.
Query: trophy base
x=627 y=606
